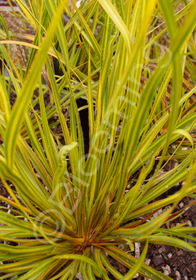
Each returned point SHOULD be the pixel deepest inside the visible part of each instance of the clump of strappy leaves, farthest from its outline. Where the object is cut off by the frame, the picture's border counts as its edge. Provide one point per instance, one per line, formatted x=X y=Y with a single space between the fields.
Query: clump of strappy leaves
x=71 y=213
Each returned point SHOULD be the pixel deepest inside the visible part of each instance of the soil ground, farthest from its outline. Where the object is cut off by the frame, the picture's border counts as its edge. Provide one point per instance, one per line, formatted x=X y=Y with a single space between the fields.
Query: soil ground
x=174 y=262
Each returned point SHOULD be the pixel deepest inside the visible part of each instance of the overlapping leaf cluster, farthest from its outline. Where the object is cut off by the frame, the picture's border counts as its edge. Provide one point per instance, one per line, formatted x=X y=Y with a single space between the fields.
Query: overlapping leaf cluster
x=70 y=212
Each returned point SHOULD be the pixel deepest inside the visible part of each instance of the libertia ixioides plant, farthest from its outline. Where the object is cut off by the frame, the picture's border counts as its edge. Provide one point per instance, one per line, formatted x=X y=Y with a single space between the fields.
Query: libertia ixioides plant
x=73 y=212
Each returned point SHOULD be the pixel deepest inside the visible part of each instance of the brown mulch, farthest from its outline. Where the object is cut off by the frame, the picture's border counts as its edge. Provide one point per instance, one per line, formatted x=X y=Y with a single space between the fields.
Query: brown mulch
x=175 y=262
x=4 y=193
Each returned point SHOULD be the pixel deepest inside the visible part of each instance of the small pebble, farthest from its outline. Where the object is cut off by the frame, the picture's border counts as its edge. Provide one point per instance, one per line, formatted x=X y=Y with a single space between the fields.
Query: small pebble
x=147 y=261
x=161 y=250
x=180 y=253
x=189 y=223
x=181 y=204
x=166 y=269
x=169 y=255
x=178 y=276
x=79 y=276
x=157 y=260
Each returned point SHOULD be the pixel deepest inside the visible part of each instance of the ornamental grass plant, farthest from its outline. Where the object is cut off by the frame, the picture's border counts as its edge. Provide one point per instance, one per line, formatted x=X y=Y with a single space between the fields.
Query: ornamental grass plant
x=71 y=213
